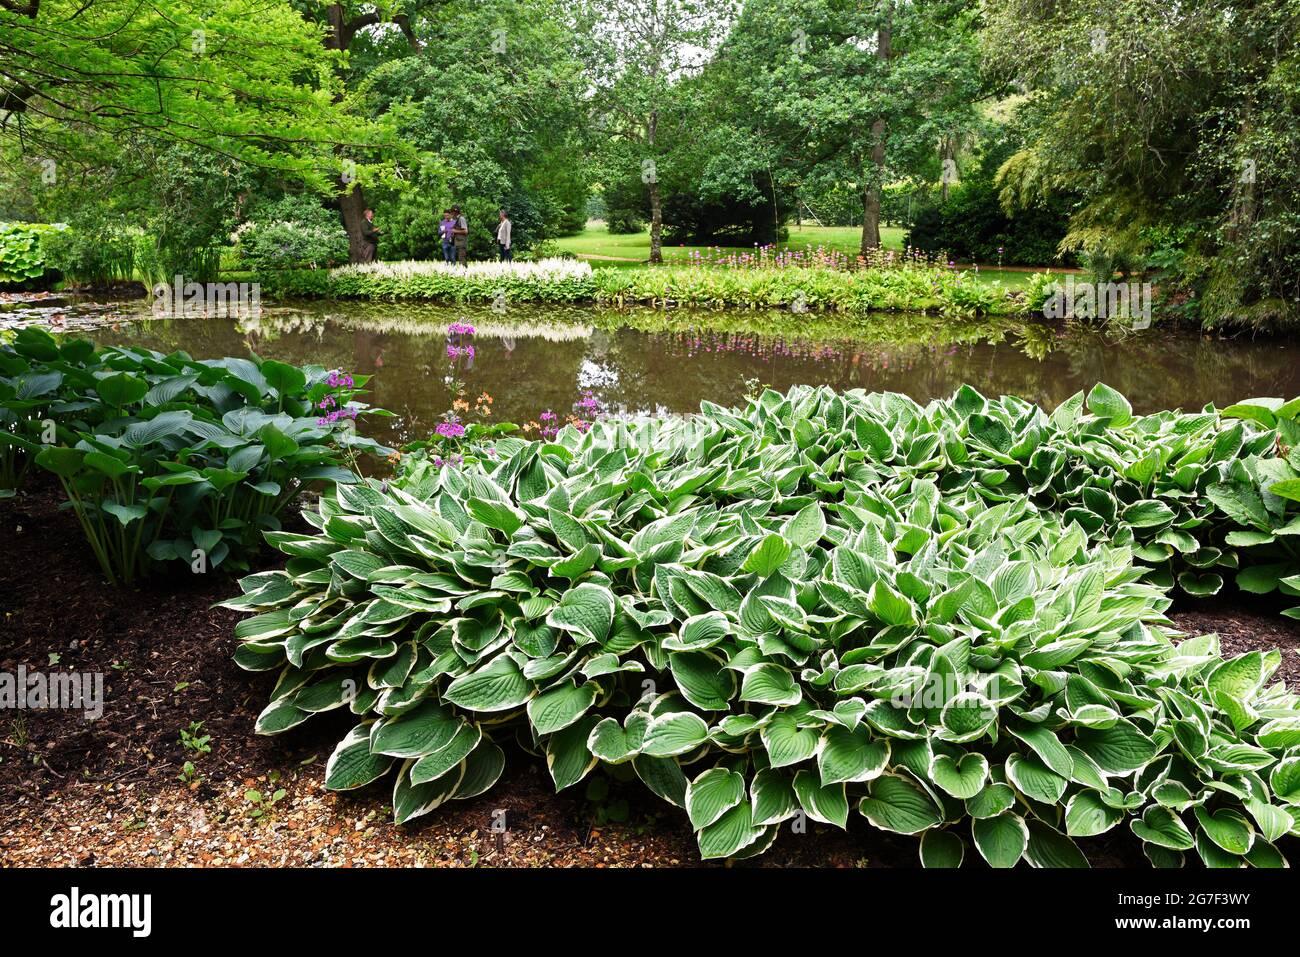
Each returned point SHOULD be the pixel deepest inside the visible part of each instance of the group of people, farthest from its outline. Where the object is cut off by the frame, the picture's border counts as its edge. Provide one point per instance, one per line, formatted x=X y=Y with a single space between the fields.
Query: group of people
x=453 y=230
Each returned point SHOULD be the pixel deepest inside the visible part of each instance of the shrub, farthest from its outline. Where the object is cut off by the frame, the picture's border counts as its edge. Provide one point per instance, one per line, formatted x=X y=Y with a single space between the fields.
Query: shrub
x=547 y=280
x=972 y=225
x=97 y=251
x=818 y=603
x=160 y=456
x=627 y=205
x=294 y=232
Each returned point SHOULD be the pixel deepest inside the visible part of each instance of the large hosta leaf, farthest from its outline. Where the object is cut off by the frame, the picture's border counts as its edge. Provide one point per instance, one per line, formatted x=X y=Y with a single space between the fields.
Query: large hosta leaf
x=499 y=686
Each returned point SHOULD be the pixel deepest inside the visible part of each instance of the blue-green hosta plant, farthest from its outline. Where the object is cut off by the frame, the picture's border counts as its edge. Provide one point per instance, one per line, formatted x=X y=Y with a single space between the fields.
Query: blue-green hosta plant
x=764 y=619
x=165 y=457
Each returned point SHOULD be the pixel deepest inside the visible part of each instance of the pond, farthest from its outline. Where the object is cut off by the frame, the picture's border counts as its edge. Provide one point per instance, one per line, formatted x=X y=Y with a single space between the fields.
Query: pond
x=533 y=359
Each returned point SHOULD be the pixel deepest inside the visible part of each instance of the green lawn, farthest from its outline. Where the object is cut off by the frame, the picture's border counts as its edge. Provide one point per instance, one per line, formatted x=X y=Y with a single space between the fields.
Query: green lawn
x=596 y=242
x=607 y=251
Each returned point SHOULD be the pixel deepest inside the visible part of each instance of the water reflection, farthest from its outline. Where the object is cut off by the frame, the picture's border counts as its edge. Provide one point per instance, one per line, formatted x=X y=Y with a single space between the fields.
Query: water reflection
x=648 y=361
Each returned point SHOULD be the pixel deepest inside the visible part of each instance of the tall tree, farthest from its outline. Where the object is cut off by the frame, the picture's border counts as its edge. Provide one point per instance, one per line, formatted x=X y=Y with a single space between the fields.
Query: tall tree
x=638 y=52
x=858 y=91
x=498 y=94
x=343 y=23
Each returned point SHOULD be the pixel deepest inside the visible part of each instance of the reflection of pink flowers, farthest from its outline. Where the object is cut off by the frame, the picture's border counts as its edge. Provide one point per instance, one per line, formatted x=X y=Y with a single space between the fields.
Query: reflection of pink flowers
x=450 y=430
x=456 y=351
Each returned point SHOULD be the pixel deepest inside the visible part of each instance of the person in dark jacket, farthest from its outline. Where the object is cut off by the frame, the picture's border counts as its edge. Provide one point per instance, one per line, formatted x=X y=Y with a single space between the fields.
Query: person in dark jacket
x=369 y=237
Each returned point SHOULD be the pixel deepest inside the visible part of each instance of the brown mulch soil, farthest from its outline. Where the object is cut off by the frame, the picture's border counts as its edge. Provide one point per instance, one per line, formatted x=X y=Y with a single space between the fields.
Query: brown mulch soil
x=108 y=792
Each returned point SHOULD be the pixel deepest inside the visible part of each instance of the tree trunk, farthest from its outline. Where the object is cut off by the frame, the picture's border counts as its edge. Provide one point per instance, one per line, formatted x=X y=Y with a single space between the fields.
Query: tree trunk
x=656 y=224
x=656 y=200
x=876 y=175
x=352 y=204
x=947 y=155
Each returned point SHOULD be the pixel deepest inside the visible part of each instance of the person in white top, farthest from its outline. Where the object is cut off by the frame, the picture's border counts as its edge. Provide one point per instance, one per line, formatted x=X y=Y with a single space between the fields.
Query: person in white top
x=503 y=238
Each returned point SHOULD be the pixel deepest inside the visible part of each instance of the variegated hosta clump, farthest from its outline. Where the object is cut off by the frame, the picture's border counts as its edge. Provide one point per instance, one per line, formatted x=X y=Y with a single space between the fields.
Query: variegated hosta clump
x=770 y=612
x=1146 y=481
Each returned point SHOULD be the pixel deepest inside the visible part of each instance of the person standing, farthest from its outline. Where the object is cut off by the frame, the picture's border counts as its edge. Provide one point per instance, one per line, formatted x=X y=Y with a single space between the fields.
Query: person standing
x=460 y=235
x=369 y=237
x=503 y=238
x=444 y=231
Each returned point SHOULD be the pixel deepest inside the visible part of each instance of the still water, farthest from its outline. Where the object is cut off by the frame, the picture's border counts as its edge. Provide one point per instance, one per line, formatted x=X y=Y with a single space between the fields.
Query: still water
x=536 y=359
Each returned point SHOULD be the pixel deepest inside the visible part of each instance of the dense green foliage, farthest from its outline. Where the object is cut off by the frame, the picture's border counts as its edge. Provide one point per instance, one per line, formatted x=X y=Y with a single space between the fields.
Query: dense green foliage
x=1166 y=122
x=97 y=252
x=814 y=604
x=167 y=457
x=972 y=225
x=240 y=79
x=494 y=91
x=551 y=280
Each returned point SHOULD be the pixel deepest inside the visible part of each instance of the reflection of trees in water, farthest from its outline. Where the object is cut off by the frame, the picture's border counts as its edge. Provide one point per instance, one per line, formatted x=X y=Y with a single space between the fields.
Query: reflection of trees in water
x=673 y=368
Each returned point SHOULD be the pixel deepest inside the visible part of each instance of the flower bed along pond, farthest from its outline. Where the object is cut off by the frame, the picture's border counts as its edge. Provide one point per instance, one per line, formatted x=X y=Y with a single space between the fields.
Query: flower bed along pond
x=903 y=286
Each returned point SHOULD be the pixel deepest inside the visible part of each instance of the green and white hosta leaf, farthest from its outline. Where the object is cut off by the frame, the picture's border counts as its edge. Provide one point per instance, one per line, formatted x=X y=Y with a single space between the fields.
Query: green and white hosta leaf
x=587 y=610
x=414 y=800
x=559 y=707
x=851 y=755
x=1227 y=828
x=1086 y=815
x=897 y=803
x=821 y=802
x=416 y=733
x=942 y=849
x=962 y=778
x=1000 y=840
x=772 y=797
x=769 y=683
x=352 y=765
x=1048 y=847
x=730 y=834
x=499 y=686
x=567 y=756
x=1160 y=825
x=712 y=794
x=672 y=734
x=786 y=742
